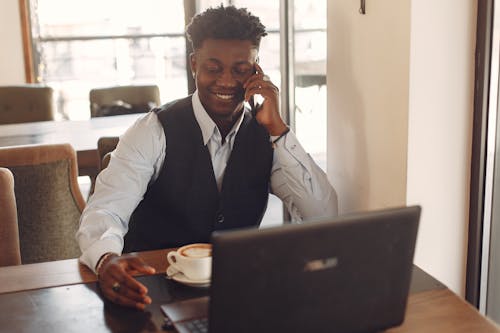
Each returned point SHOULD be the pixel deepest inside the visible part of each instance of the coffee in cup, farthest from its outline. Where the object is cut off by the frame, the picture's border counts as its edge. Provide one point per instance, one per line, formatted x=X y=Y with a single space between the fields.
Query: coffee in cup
x=193 y=260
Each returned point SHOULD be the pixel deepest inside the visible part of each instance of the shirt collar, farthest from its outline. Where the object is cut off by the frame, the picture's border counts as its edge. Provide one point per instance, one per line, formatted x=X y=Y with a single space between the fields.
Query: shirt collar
x=207 y=125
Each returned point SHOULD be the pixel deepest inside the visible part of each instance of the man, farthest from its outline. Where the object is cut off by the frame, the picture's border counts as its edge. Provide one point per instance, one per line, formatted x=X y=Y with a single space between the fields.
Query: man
x=203 y=163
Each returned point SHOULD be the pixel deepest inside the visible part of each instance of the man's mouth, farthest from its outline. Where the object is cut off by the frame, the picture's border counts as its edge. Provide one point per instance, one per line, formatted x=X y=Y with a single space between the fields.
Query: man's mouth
x=225 y=97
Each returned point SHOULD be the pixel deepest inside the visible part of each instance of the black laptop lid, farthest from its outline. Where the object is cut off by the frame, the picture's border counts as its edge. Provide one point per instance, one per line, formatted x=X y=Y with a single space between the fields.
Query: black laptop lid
x=347 y=274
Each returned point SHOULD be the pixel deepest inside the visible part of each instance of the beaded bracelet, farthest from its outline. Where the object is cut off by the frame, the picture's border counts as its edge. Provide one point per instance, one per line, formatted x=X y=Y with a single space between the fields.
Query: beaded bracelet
x=101 y=261
x=279 y=137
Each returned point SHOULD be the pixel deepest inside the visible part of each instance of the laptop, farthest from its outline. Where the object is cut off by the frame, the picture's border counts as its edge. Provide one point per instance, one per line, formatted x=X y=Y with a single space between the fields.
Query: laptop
x=350 y=273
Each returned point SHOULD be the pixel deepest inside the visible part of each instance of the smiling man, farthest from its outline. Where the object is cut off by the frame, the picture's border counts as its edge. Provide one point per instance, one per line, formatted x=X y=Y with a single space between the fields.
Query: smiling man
x=202 y=163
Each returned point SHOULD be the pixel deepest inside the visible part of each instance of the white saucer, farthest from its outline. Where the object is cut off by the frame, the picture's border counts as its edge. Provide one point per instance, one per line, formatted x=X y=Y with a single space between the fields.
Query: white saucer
x=175 y=275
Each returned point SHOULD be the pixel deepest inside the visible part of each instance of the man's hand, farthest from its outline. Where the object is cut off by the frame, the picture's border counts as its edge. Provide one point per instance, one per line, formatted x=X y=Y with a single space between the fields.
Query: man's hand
x=118 y=285
x=268 y=114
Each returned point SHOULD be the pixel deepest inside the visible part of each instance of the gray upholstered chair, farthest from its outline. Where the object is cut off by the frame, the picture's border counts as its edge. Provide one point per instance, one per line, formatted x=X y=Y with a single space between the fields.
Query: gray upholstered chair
x=123 y=100
x=9 y=235
x=49 y=201
x=26 y=103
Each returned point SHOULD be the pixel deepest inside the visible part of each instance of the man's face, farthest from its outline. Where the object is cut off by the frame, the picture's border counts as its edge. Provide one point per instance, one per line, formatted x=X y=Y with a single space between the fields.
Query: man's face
x=221 y=67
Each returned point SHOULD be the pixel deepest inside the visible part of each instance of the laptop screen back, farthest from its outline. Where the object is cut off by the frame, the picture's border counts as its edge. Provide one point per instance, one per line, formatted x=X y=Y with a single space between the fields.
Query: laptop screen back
x=346 y=274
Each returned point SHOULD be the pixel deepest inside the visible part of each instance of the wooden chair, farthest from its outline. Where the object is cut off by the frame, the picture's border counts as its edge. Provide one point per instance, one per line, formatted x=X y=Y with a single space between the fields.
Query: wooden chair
x=9 y=235
x=26 y=103
x=49 y=201
x=105 y=145
x=123 y=100
x=105 y=161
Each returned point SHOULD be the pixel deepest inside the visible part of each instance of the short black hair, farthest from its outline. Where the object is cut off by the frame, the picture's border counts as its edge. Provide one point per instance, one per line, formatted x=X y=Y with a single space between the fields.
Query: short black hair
x=225 y=23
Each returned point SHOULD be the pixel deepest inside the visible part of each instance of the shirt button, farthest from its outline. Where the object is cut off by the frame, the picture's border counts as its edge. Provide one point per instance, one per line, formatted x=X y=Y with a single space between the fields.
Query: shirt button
x=220 y=218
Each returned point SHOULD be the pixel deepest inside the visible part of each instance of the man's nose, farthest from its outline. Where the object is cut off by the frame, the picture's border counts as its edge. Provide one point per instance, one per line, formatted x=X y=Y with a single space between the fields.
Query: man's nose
x=226 y=79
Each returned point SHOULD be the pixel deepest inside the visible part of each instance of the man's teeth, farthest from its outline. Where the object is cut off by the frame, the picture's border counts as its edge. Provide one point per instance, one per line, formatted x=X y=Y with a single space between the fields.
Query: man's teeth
x=224 y=96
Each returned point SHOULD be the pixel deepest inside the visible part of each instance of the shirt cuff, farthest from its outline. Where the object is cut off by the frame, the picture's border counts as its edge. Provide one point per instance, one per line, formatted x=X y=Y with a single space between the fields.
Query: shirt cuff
x=91 y=255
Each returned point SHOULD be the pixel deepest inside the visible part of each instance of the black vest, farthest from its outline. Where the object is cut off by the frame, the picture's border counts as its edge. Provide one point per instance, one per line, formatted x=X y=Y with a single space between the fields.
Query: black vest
x=183 y=205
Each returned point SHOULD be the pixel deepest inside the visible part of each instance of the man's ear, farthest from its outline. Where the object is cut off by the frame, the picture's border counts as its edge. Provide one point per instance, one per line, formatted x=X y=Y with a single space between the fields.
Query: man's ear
x=192 y=63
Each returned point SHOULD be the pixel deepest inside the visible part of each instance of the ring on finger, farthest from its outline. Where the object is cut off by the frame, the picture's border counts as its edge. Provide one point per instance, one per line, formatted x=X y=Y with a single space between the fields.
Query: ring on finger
x=116 y=287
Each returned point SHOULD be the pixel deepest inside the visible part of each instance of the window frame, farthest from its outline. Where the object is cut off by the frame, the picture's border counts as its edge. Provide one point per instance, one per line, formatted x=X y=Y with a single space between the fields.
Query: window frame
x=28 y=43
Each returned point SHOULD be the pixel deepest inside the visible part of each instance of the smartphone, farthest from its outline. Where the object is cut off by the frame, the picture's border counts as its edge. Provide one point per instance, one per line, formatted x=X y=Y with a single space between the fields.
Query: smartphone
x=256 y=100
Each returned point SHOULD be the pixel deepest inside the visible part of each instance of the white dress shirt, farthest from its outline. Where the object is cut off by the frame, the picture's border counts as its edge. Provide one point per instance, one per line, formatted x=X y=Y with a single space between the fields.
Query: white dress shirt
x=139 y=157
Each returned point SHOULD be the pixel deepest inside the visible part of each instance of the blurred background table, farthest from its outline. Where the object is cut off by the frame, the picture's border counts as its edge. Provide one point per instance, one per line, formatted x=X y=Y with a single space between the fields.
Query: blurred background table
x=81 y=134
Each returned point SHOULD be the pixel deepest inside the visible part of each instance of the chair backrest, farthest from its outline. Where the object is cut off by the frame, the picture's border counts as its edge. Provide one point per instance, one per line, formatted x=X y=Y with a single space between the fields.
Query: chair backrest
x=105 y=161
x=26 y=103
x=123 y=100
x=9 y=235
x=49 y=201
x=106 y=145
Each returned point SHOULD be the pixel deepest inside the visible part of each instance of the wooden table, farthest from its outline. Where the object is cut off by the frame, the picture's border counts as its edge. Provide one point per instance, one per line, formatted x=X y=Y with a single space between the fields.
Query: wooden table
x=62 y=296
x=81 y=134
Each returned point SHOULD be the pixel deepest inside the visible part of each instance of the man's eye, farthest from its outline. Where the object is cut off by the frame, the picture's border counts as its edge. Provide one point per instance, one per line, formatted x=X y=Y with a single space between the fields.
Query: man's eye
x=213 y=69
x=241 y=70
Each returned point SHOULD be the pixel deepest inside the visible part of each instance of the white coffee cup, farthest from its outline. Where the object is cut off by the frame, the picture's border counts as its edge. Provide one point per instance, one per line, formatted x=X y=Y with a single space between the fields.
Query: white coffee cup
x=193 y=260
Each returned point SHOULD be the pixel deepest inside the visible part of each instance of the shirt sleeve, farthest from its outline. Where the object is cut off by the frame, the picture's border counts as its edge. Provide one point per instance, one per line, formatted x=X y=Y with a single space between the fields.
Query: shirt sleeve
x=299 y=182
x=119 y=188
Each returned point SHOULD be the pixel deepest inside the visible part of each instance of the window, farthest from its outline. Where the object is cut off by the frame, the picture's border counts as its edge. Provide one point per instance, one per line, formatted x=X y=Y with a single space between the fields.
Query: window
x=82 y=45
x=310 y=77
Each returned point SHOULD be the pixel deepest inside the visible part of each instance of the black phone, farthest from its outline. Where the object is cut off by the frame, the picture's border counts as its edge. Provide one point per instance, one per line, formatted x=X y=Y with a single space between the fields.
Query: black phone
x=251 y=101
x=254 y=105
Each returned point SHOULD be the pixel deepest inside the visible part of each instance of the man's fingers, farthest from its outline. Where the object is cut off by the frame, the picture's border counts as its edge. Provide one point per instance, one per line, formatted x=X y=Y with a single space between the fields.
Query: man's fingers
x=124 y=300
x=125 y=291
x=132 y=294
x=258 y=76
x=129 y=282
x=121 y=299
x=120 y=287
x=252 y=79
x=137 y=264
x=263 y=88
x=125 y=287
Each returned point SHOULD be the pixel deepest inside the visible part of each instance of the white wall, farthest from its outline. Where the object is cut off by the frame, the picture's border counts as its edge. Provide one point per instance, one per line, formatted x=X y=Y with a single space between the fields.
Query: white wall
x=405 y=62
x=368 y=77
x=440 y=132
x=11 y=55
